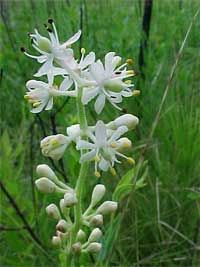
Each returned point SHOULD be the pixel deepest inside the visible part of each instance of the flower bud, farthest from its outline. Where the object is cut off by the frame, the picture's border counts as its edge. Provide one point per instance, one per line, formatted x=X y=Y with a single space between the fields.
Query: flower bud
x=54 y=146
x=128 y=120
x=45 y=185
x=62 y=205
x=77 y=247
x=107 y=207
x=95 y=235
x=81 y=235
x=56 y=241
x=96 y=220
x=123 y=144
x=62 y=225
x=43 y=170
x=53 y=211
x=94 y=247
x=97 y=194
x=73 y=131
x=70 y=199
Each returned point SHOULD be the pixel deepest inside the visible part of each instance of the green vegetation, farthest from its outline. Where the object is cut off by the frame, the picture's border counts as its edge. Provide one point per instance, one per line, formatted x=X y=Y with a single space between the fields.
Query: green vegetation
x=158 y=225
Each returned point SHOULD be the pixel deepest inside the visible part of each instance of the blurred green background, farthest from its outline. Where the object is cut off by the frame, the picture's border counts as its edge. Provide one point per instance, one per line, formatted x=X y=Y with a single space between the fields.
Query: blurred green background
x=160 y=225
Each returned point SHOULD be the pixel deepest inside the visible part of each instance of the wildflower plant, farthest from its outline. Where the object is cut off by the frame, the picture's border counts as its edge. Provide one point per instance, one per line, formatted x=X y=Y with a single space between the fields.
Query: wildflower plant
x=78 y=227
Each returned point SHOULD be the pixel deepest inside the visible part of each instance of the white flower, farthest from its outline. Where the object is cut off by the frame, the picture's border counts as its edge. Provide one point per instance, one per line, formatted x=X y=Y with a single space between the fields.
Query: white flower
x=103 y=148
x=51 y=50
x=54 y=146
x=41 y=94
x=109 y=82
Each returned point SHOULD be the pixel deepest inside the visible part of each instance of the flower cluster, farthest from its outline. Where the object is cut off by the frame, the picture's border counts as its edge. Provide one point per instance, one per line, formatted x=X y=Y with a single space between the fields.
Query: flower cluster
x=104 y=144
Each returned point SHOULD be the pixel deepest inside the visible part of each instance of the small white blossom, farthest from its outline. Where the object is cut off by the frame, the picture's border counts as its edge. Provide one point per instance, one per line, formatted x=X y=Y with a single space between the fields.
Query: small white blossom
x=54 y=146
x=103 y=147
x=52 y=50
x=109 y=82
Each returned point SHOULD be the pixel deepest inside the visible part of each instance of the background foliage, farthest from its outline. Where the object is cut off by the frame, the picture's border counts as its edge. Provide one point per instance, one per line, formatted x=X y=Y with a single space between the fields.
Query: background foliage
x=159 y=224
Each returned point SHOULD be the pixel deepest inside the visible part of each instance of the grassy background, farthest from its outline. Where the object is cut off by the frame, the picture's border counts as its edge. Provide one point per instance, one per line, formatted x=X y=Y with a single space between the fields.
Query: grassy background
x=160 y=226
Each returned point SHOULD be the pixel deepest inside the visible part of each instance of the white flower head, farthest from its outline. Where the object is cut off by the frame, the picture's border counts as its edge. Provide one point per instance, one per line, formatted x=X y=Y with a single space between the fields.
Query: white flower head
x=42 y=94
x=103 y=148
x=51 y=49
x=54 y=146
x=109 y=82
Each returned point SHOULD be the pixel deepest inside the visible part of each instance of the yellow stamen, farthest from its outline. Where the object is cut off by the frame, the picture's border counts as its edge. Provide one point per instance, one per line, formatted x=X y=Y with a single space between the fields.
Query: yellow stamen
x=113 y=145
x=131 y=72
x=36 y=104
x=136 y=92
x=27 y=97
x=128 y=81
x=113 y=171
x=83 y=50
x=55 y=86
x=131 y=161
x=97 y=158
x=97 y=174
x=130 y=61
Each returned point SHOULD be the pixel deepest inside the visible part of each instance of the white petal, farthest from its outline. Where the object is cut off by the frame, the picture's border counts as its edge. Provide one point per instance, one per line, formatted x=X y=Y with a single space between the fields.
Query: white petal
x=97 y=71
x=100 y=132
x=89 y=94
x=88 y=156
x=99 y=104
x=89 y=59
x=108 y=61
x=45 y=67
x=104 y=164
x=82 y=144
x=49 y=104
x=119 y=132
x=66 y=84
x=73 y=39
x=32 y=84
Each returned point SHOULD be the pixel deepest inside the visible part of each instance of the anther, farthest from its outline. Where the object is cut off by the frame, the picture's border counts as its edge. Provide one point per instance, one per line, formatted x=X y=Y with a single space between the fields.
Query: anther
x=97 y=174
x=36 y=104
x=97 y=158
x=136 y=92
x=49 y=30
x=131 y=161
x=113 y=171
x=113 y=145
x=129 y=61
x=128 y=82
x=131 y=72
x=22 y=49
x=124 y=110
x=26 y=97
x=50 y=21
x=83 y=50
x=118 y=72
x=45 y=25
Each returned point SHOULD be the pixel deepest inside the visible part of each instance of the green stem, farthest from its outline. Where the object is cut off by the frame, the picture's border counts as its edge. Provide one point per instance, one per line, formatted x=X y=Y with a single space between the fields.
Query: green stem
x=80 y=182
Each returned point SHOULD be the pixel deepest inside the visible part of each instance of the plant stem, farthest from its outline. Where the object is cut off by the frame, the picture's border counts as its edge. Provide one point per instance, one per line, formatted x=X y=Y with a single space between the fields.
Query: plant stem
x=80 y=182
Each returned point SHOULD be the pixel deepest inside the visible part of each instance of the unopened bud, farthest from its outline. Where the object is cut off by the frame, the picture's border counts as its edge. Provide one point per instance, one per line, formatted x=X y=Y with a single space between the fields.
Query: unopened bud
x=107 y=207
x=97 y=194
x=73 y=131
x=81 y=236
x=123 y=144
x=95 y=235
x=94 y=247
x=45 y=185
x=53 y=211
x=128 y=120
x=62 y=225
x=62 y=205
x=97 y=220
x=43 y=170
x=56 y=241
x=77 y=247
x=70 y=199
